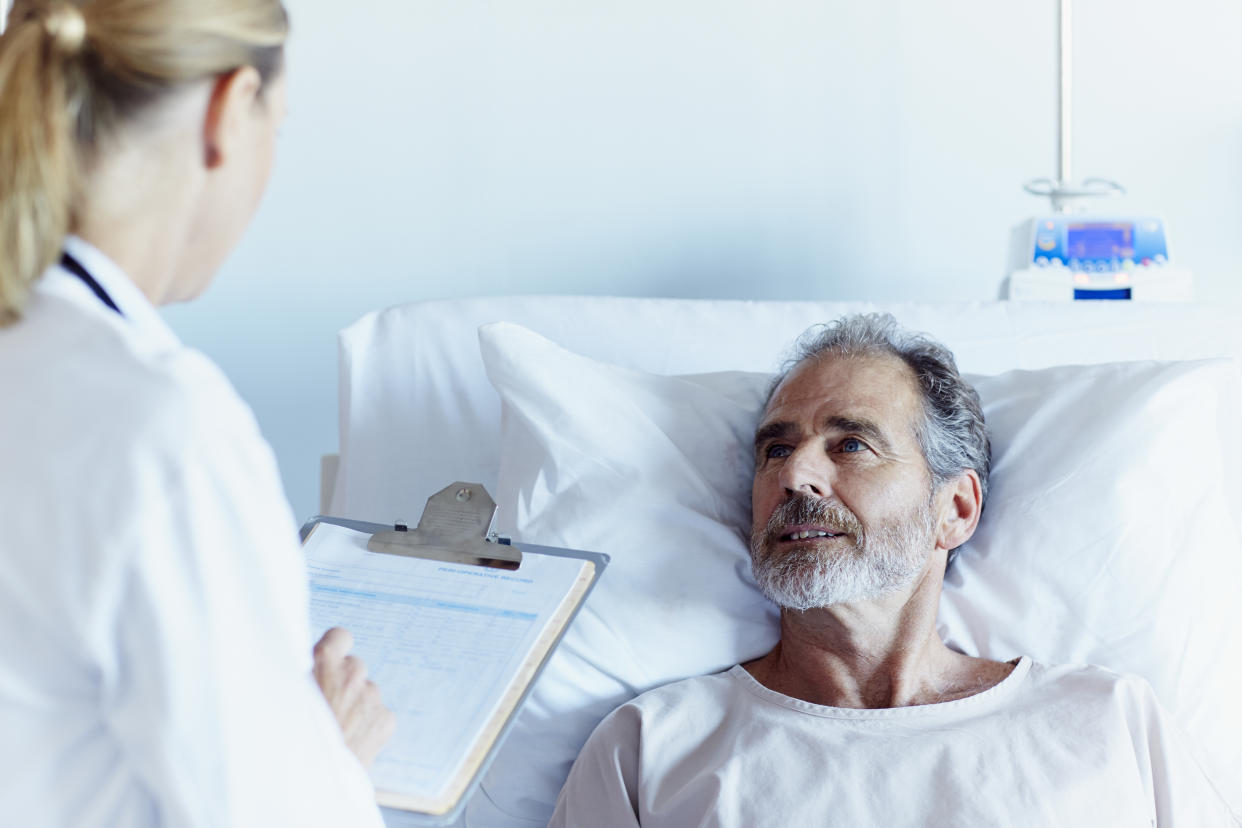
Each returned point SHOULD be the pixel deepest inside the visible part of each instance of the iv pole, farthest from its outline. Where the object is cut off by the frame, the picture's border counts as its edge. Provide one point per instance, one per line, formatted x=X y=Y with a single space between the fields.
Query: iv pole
x=1065 y=92
x=1064 y=193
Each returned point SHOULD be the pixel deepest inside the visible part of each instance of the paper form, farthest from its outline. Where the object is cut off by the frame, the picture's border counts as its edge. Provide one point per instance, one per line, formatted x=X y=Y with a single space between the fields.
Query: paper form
x=443 y=642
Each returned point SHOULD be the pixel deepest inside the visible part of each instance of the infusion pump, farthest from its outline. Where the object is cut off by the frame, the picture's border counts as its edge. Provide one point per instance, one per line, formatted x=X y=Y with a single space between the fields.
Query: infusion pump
x=1074 y=257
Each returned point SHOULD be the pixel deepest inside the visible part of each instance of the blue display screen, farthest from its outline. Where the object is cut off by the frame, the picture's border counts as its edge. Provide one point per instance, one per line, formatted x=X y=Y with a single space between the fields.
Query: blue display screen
x=1116 y=293
x=1100 y=241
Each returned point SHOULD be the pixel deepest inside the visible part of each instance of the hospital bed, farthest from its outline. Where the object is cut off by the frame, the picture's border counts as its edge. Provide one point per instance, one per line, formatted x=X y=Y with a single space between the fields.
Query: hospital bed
x=623 y=426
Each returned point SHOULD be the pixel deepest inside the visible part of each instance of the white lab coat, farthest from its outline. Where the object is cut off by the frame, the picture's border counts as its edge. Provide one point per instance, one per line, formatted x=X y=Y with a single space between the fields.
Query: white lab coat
x=154 y=641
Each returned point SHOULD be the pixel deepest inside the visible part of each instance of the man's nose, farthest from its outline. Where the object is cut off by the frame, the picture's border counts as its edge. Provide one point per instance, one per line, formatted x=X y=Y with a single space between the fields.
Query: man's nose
x=807 y=471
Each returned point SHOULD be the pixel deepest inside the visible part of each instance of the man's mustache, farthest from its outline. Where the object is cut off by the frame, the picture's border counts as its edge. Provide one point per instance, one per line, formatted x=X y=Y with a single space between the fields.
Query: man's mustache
x=801 y=509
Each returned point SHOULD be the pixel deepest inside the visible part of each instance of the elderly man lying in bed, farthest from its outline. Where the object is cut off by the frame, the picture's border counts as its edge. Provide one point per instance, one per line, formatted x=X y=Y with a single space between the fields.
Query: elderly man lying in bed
x=871 y=469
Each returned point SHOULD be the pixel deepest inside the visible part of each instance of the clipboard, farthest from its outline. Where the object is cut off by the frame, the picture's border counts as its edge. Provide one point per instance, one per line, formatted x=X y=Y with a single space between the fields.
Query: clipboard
x=491 y=563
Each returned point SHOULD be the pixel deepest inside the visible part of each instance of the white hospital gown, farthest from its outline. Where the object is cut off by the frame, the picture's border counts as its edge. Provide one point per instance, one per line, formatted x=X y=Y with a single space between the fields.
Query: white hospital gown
x=1063 y=746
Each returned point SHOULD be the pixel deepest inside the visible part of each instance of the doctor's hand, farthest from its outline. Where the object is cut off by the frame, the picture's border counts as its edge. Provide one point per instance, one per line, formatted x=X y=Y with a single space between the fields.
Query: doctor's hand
x=354 y=699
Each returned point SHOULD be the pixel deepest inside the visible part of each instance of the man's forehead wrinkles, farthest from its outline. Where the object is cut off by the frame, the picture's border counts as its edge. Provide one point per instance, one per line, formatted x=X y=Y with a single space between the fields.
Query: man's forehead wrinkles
x=856 y=397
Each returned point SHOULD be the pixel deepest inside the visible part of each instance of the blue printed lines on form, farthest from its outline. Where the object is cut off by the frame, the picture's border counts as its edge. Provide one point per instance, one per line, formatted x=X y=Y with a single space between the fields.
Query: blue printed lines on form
x=428 y=603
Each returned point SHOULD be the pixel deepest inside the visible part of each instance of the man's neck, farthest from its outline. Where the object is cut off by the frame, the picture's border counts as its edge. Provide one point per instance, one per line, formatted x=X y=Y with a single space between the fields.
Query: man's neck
x=873 y=654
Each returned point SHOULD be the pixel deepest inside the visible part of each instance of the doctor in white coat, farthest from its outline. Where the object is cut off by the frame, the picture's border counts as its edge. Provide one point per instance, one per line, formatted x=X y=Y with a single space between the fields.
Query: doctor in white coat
x=155 y=663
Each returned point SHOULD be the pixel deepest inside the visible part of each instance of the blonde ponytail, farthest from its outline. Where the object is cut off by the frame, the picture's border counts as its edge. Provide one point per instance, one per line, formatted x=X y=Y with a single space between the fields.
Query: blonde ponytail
x=74 y=71
x=38 y=168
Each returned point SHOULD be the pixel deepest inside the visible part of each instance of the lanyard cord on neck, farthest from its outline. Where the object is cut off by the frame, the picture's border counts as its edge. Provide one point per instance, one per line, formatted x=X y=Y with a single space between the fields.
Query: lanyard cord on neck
x=75 y=267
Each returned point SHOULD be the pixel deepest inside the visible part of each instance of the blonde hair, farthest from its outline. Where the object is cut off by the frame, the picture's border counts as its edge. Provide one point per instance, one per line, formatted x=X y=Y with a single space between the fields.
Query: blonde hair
x=74 y=71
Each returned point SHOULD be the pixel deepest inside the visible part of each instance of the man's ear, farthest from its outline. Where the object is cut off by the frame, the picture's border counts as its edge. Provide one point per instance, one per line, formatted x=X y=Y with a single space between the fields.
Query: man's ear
x=232 y=96
x=960 y=502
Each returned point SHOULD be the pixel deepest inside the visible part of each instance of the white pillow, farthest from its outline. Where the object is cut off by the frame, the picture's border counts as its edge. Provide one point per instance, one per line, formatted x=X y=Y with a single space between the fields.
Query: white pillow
x=1106 y=538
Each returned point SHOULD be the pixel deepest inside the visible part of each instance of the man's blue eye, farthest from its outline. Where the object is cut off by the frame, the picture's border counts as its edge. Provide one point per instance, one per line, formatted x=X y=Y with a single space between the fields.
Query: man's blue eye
x=778 y=451
x=850 y=444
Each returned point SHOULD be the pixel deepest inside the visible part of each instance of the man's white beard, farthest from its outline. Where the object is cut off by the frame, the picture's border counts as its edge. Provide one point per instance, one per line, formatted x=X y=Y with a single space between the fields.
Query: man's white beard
x=874 y=562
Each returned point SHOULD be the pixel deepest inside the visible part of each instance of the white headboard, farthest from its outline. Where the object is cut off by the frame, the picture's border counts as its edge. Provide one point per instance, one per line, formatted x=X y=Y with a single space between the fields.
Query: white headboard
x=417 y=411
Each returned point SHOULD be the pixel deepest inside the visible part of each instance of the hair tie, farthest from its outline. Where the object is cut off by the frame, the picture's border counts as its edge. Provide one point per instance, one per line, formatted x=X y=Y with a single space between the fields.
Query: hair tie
x=66 y=27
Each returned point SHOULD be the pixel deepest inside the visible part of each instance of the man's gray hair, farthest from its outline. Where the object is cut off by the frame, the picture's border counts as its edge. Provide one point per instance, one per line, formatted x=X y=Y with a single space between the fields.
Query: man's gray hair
x=952 y=435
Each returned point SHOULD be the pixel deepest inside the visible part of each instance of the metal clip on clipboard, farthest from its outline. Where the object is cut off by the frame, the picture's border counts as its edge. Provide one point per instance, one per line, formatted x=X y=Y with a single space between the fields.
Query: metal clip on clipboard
x=455 y=527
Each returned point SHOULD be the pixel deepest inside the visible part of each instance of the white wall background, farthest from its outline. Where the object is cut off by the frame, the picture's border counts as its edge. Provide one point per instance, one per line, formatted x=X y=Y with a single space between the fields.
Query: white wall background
x=825 y=149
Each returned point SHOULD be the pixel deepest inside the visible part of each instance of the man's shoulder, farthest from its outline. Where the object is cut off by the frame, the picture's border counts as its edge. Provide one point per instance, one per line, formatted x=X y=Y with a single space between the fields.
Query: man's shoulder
x=681 y=705
x=1088 y=686
x=714 y=686
x=1090 y=678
